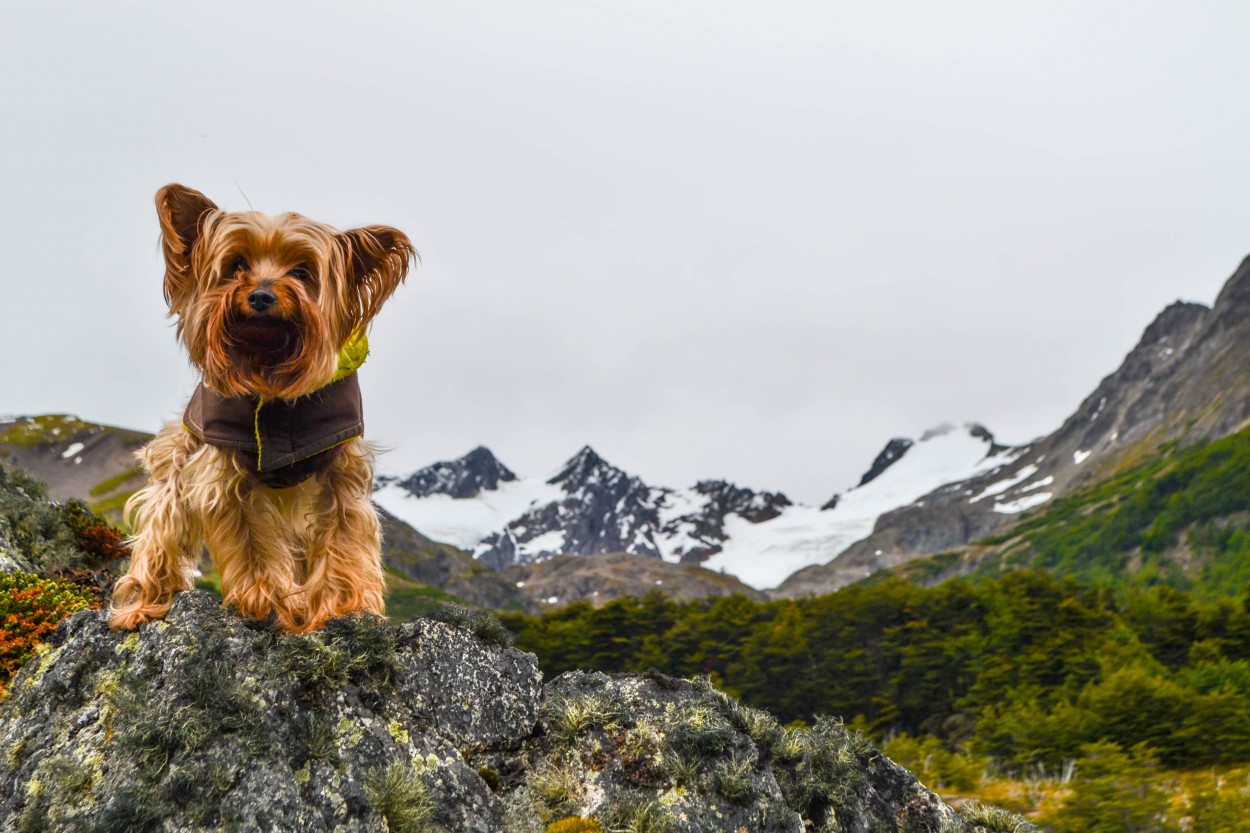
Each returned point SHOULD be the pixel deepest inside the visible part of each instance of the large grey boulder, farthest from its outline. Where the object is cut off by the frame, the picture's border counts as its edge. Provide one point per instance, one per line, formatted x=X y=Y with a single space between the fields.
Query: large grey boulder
x=205 y=722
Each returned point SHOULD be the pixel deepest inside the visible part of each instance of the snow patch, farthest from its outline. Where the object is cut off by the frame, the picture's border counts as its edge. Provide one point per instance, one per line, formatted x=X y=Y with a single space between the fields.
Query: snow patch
x=464 y=523
x=73 y=449
x=1045 y=481
x=1013 y=507
x=763 y=555
x=1003 y=485
x=1079 y=457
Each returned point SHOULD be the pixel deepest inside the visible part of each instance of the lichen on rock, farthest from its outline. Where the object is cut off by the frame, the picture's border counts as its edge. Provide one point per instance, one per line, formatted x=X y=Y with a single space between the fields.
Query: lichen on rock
x=207 y=722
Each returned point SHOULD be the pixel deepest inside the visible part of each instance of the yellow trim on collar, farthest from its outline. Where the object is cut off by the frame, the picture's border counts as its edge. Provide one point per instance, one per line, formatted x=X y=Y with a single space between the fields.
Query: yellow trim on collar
x=352 y=356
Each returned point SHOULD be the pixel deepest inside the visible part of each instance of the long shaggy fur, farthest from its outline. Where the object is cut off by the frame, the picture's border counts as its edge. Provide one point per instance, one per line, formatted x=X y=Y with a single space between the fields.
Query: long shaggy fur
x=303 y=554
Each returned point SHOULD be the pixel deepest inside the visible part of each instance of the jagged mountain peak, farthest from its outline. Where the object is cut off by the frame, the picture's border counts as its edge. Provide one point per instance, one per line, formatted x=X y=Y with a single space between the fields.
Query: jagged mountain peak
x=756 y=507
x=1235 y=295
x=889 y=455
x=584 y=468
x=463 y=477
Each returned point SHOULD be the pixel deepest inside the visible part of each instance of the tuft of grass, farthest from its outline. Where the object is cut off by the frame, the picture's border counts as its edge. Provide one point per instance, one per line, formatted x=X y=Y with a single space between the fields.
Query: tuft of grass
x=396 y=793
x=682 y=770
x=483 y=624
x=638 y=815
x=567 y=716
x=759 y=725
x=317 y=742
x=699 y=730
x=821 y=782
x=995 y=819
x=556 y=786
x=732 y=779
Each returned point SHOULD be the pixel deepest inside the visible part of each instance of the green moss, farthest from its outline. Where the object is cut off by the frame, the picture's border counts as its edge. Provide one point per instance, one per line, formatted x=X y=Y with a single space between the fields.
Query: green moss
x=48 y=428
x=484 y=625
x=114 y=482
x=207 y=706
x=491 y=778
x=317 y=740
x=396 y=793
x=357 y=648
x=111 y=506
x=820 y=771
x=698 y=729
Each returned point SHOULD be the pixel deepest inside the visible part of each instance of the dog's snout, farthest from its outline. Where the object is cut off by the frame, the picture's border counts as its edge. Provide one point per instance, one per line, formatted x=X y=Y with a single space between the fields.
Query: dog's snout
x=261 y=299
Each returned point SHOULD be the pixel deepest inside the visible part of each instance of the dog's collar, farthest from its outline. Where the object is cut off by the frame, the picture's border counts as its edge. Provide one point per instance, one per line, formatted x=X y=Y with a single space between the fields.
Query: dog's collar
x=285 y=441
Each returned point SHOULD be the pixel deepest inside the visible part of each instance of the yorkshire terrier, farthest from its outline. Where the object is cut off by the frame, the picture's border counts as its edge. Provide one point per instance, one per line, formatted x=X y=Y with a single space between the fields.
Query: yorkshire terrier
x=267 y=467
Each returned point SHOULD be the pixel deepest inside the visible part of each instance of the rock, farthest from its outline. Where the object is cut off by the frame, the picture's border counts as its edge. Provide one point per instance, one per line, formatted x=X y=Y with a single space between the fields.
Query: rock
x=205 y=722
x=208 y=722
x=657 y=753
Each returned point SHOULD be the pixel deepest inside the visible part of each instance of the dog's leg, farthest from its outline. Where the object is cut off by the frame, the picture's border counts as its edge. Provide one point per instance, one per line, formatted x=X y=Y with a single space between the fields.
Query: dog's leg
x=247 y=541
x=166 y=534
x=344 y=564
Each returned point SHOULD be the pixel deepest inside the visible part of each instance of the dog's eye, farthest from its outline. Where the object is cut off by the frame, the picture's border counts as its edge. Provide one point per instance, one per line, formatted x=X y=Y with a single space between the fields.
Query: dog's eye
x=302 y=273
x=239 y=265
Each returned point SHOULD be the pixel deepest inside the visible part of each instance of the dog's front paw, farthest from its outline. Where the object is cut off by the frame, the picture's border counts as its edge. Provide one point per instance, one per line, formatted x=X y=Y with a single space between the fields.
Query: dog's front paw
x=129 y=609
x=128 y=619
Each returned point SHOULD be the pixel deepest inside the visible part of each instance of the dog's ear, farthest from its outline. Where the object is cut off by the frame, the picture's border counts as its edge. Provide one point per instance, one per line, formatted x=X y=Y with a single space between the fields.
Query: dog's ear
x=377 y=260
x=181 y=211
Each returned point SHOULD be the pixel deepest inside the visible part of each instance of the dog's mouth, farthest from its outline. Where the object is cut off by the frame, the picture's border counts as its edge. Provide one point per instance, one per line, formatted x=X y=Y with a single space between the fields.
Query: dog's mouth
x=264 y=339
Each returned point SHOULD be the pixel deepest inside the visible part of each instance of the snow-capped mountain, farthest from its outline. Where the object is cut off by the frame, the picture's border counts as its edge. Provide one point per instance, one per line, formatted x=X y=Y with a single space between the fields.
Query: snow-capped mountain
x=591 y=507
x=1185 y=381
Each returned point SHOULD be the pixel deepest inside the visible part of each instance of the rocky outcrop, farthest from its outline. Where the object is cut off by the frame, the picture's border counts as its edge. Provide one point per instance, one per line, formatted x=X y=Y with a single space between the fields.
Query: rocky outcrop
x=442 y=566
x=556 y=581
x=205 y=722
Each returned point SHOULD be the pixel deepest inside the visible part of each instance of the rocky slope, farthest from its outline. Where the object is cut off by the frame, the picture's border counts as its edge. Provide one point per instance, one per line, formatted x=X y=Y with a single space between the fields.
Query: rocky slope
x=561 y=579
x=78 y=460
x=206 y=722
x=1187 y=379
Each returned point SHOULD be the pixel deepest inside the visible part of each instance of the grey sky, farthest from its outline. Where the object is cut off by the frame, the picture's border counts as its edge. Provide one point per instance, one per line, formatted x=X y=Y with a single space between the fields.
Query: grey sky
x=750 y=241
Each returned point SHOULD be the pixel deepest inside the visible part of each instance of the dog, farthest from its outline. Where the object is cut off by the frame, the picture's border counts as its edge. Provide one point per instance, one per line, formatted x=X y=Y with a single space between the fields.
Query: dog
x=267 y=467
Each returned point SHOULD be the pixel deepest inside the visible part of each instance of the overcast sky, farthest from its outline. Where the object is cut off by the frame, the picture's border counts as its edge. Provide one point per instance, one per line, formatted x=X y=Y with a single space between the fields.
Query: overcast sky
x=749 y=241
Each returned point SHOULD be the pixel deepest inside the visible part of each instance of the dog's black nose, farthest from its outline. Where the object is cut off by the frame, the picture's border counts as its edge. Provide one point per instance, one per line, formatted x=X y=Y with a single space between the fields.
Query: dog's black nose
x=262 y=299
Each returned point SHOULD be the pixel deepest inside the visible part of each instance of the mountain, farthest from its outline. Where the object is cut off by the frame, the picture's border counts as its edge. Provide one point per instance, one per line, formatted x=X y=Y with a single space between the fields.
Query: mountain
x=1186 y=381
x=461 y=478
x=78 y=460
x=591 y=507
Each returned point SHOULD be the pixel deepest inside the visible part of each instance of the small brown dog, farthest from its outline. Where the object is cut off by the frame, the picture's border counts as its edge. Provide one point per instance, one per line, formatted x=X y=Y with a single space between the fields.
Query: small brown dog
x=268 y=467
